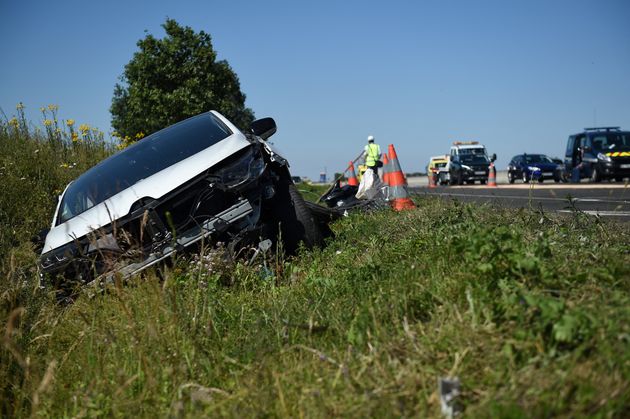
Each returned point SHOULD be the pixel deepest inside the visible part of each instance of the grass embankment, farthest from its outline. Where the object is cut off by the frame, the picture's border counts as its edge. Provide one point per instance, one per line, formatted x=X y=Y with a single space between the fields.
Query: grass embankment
x=528 y=309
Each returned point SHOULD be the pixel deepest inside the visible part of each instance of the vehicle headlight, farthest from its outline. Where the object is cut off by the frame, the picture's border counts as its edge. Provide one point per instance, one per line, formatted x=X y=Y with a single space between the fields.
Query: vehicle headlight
x=603 y=157
x=533 y=168
x=466 y=167
x=247 y=167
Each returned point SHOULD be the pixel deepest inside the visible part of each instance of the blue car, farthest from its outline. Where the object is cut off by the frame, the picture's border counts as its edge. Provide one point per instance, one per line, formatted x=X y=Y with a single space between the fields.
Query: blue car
x=533 y=167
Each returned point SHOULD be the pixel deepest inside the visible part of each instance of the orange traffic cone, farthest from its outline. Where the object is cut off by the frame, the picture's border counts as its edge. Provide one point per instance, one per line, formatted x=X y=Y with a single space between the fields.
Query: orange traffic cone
x=492 y=176
x=386 y=164
x=432 y=175
x=397 y=184
x=352 y=180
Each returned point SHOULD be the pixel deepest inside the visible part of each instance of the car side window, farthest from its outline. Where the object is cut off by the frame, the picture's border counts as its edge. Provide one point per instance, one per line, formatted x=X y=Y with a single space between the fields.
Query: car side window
x=570 y=143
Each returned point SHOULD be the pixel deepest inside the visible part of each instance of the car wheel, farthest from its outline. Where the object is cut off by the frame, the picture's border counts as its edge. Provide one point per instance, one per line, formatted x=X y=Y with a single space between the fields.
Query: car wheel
x=595 y=175
x=618 y=179
x=510 y=177
x=525 y=178
x=541 y=180
x=293 y=220
x=556 y=179
x=482 y=181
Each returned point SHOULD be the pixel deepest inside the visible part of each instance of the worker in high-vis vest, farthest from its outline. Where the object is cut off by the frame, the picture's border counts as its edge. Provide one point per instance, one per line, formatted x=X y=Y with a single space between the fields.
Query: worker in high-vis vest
x=372 y=155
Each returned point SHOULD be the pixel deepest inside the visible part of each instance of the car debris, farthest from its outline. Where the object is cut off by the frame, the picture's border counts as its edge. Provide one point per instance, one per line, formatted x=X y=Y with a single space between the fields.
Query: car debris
x=198 y=181
x=449 y=389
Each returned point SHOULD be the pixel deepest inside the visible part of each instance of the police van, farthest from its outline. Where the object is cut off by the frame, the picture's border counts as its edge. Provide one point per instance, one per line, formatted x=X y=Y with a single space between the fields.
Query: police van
x=599 y=153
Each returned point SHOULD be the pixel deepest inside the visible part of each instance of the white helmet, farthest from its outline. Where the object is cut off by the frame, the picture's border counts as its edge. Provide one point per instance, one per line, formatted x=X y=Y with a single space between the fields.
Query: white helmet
x=370 y=138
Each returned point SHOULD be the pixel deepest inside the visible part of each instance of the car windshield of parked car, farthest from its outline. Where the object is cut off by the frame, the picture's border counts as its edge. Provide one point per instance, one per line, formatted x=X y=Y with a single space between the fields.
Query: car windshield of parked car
x=474 y=158
x=472 y=150
x=611 y=141
x=537 y=158
x=141 y=160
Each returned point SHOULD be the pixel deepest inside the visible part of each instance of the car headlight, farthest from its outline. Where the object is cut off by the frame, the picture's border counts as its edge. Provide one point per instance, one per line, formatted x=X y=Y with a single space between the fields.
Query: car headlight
x=603 y=157
x=466 y=167
x=533 y=168
x=249 y=166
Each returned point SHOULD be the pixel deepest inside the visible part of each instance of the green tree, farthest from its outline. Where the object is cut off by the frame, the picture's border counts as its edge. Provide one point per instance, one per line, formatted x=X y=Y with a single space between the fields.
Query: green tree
x=173 y=78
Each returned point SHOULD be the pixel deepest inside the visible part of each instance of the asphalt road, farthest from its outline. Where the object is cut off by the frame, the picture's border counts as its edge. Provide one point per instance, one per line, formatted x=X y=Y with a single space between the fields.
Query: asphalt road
x=605 y=200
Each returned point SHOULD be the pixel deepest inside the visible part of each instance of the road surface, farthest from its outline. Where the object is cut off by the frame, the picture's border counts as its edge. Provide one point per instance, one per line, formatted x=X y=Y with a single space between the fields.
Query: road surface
x=609 y=200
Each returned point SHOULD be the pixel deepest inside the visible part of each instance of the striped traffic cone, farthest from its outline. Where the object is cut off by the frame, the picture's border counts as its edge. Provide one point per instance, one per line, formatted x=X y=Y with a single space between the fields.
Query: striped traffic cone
x=386 y=163
x=399 y=197
x=492 y=176
x=352 y=180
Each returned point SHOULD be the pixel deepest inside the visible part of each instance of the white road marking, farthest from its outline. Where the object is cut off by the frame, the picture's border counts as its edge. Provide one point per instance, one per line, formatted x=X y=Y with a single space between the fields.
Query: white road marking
x=532 y=198
x=603 y=213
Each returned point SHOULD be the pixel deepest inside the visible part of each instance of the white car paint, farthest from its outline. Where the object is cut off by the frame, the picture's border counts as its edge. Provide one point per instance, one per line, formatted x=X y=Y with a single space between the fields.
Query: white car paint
x=154 y=186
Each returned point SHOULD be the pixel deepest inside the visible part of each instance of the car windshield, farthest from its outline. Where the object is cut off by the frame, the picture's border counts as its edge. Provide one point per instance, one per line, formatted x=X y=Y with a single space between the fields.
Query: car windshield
x=472 y=150
x=537 y=158
x=141 y=160
x=474 y=158
x=611 y=141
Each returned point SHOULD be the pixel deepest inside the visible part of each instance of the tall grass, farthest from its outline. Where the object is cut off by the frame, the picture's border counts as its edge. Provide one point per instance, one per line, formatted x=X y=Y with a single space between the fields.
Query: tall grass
x=530 y=311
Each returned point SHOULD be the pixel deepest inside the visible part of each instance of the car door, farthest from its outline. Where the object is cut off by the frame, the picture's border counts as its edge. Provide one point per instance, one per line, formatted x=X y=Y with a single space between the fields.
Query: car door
x=518 y=166
x=569 y=160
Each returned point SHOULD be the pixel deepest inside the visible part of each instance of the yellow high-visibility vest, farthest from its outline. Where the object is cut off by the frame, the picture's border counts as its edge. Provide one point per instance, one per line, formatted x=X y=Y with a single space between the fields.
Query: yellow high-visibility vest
x=373 y=153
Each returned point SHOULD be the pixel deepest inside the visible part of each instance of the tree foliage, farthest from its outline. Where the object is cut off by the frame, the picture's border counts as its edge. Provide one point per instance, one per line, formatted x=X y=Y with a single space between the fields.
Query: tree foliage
x=173 y=78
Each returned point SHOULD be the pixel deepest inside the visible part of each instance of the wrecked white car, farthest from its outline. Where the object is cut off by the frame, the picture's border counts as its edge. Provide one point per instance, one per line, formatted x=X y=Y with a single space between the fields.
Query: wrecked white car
x=200 y=180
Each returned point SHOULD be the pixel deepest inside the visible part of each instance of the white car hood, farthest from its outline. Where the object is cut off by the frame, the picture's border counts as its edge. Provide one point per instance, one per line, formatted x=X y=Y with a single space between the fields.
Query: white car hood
x=154 y=186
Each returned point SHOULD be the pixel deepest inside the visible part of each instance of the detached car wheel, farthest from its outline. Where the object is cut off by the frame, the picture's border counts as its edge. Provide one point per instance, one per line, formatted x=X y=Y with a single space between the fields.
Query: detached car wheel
x=294 y=219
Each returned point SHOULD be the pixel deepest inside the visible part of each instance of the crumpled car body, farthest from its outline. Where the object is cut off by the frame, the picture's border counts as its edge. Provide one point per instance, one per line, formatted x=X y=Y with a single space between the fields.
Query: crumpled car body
x=199 y=180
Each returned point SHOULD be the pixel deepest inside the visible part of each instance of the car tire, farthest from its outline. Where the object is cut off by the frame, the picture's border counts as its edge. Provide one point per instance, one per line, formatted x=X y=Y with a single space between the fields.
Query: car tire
x=541 y=179
x=557 y=179
x=618 y=179
x=293 y=220
x=525 y=178
x=511 y=177
x=595 y=175
x=482 y=182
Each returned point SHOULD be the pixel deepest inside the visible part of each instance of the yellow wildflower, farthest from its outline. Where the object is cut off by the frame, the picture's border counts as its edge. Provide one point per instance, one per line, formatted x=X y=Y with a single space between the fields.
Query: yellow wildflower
x=53 y=107
x=57 y=130
x=84 y=128
x=140 y=135
x=48 y=122
x=75 y=137
x=42 y=109
x=70 y=122
x=13 y=121
x=19 y=106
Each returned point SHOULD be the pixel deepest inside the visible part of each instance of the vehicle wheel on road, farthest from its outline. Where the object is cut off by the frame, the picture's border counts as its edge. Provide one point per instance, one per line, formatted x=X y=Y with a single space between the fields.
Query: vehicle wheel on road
x=295 y=220
x=482 y=181
x=510 y=177
x=618 y=179
x=525 y=178
x=556 y=179
x=541 y=180
x=595 y=175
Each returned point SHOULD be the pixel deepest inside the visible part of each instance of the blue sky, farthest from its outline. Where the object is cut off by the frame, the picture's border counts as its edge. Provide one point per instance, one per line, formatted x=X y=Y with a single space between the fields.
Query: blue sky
x=519 y=76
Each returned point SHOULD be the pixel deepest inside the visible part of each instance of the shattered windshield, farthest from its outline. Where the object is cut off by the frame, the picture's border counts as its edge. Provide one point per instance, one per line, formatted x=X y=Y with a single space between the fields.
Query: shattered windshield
x=141 y=160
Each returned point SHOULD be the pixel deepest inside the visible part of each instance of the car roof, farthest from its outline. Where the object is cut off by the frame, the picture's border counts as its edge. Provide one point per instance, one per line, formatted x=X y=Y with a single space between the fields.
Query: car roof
x=469 y=146
x=602 y=130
